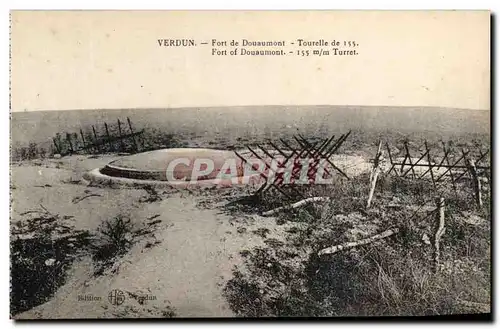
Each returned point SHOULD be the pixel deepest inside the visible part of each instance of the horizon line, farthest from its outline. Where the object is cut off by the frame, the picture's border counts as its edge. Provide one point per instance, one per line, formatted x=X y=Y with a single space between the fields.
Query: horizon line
x=235 y=106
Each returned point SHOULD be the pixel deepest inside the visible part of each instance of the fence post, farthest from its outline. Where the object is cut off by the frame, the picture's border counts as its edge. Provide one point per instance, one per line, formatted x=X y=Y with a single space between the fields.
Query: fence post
x=122 y=146
x=132 y=134
x=408 y=155
x=393 y=168
x=77 y=142
x=111 y=148
x=96 y=143
x=475 y=181
x=374 y=174
x=429 y=161
x=68 y=138
x=439 y=232
x=83 y=140
x=58 y=149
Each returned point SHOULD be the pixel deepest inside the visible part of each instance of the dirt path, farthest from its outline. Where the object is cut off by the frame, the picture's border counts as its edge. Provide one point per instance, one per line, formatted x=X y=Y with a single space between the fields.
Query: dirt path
x=189 y=263
x=186 y=270
x=184 y=266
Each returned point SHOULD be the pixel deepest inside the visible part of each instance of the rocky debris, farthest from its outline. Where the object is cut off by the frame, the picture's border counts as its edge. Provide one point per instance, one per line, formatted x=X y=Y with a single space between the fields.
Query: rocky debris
x=50 y=262
x=426 y=239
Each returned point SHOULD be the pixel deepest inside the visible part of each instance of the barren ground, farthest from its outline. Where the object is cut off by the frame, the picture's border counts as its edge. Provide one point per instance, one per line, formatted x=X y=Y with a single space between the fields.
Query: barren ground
x=188 y=245
x=185 y=263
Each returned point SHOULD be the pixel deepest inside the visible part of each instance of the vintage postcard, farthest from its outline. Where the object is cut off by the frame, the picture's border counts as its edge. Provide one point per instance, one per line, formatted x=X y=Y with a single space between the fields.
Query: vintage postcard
x=226 y=164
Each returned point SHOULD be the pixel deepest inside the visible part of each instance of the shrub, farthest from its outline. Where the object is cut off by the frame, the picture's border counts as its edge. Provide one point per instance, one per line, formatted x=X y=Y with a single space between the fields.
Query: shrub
x=116 y=240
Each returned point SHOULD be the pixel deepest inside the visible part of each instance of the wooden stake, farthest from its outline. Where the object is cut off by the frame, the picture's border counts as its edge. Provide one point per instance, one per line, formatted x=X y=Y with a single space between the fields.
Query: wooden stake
x=373 y=183
x=132 y=132
x=326 y=158
x=374 y=174
x=482 y=155
x=439 y=232
x=430 y=164
x=450 y=167
x=328 y=142
x=83 y=140
x=96 y=141
x=476 y=181
x=416 y=164
x=75 y=138
x=390 y=159
x=246 y=162
x=278 y=150
x=68 y=138
x=438 y=166
x=339 y=143
x=376 y=160
x=111 y=148
x=141 y=138
x=409 y=159
x=58 y=149
x=331 y=146
x=349 y=245
x=315 y=156
x=122 y=146
x=294 y=205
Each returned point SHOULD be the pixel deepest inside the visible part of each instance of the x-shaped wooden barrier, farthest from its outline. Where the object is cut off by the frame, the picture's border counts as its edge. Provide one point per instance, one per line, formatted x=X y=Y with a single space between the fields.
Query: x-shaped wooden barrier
x=313 y=152
x=449 y=162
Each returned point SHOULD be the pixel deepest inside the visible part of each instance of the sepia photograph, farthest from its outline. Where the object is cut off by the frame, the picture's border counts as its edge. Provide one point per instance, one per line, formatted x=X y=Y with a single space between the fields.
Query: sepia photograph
x=250 y=164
